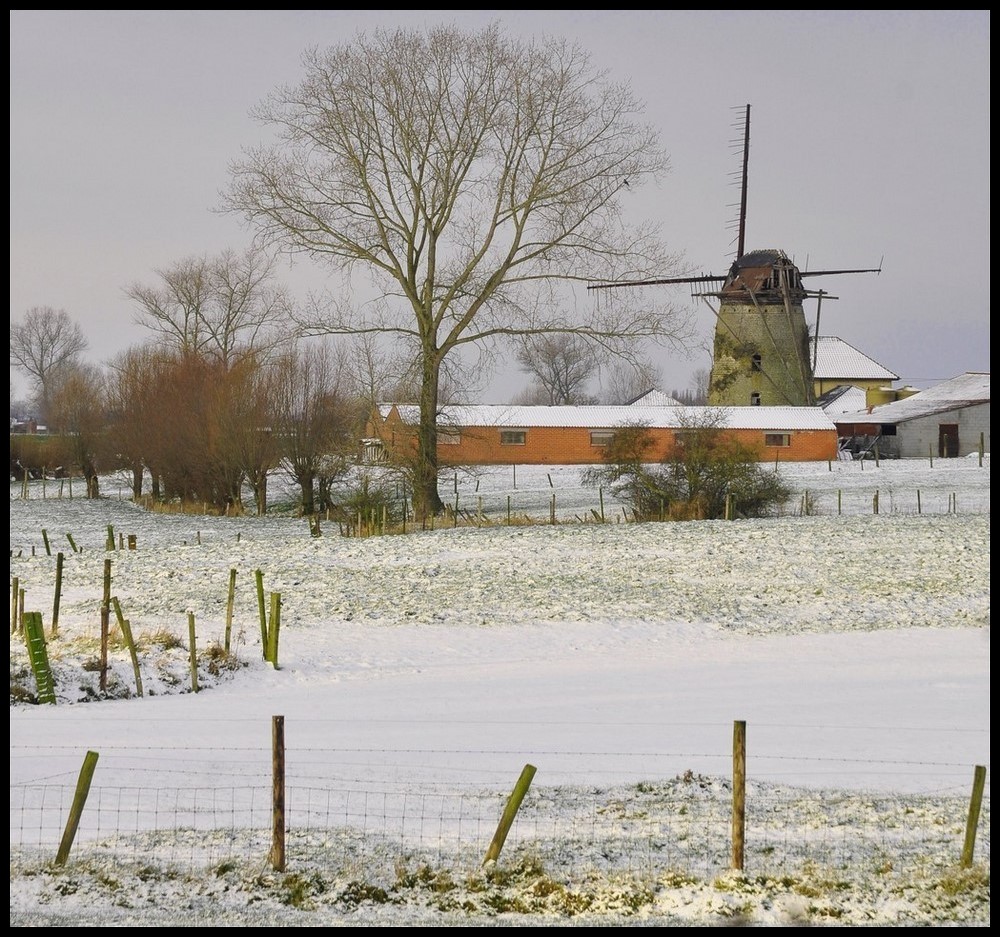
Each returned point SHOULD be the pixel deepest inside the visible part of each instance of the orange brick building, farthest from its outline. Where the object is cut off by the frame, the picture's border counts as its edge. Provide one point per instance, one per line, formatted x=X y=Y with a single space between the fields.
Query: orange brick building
x=541 y=435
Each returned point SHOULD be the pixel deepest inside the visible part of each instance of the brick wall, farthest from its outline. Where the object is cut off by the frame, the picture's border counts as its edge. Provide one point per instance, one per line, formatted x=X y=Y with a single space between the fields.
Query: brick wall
x=552 y=445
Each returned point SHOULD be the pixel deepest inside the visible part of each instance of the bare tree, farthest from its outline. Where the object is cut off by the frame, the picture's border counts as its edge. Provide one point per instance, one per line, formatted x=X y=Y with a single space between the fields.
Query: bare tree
x=173 y=310
x=45 y=342
x=132 y=411
x=193 y=435
x=315 y=419
x=247 y=437
x=699 y=386
x=377 y=374
x=624 y=381
x=217 y=307
x=533 y=395
x=248 y=312
x=80 y=416
x=561 y=364
x=471 y=177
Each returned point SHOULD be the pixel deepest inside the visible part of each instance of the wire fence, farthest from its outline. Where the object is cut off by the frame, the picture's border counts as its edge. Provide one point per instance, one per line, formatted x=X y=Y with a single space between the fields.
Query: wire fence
x=683 y=824
x=557 y=494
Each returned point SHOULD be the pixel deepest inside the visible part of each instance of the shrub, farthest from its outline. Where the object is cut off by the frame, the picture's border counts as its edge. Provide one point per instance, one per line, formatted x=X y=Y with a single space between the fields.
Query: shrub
x=706 y=471
x=369 y=502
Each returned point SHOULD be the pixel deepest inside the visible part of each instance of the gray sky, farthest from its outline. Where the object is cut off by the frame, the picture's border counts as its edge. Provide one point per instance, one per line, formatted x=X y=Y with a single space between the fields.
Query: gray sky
x=870 y=142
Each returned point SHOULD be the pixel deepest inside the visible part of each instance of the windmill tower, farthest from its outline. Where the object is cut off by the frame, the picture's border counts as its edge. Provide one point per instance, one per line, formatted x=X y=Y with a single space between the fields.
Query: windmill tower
x=761 y=353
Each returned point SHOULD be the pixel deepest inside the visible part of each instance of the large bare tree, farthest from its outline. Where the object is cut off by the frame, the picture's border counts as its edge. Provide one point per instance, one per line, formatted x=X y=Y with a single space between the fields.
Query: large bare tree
x=44 y=343
x=471 y=177
x=219 y=307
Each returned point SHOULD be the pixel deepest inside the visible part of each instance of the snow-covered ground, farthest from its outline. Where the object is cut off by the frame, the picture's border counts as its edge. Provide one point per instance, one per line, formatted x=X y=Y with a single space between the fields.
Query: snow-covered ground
x=418 y=674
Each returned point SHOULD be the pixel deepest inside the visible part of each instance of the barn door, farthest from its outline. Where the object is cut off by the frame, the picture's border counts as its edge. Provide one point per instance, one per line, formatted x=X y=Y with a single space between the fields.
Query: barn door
x=948 y=440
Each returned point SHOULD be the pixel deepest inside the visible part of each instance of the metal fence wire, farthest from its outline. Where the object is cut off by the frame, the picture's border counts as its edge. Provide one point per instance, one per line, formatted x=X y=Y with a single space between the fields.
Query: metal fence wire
x=683 y=824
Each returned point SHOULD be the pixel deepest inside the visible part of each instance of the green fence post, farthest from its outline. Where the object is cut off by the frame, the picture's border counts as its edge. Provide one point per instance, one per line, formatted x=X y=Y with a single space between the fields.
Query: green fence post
x=510 y=812
x=976 y=802
x=76 y=811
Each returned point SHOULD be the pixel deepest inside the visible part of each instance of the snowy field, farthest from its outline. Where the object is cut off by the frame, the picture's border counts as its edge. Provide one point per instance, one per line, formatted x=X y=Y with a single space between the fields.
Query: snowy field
x=419 y=673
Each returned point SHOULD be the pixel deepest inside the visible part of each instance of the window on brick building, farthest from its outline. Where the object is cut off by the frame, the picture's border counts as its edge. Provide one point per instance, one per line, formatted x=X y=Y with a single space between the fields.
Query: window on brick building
x=449 y=436
x=601 y=437
x=782 y=440
x=513 y=437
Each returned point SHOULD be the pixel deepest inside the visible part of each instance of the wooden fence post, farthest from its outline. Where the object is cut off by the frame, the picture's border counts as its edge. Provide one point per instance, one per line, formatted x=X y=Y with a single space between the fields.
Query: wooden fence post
x=194 y=653
x=58 y=592
x=273 y=629
x=976 y=802
x=126 y=628
x=15 y=590
x=105 y=622
x=230 y=598
x=259 y=576
x=510 y=811
x=76 y=811
x=278 y=793
x=739 y=792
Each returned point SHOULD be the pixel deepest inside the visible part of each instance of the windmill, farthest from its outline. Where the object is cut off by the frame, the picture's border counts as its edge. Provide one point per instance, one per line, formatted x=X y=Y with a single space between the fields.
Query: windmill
x=761 y=351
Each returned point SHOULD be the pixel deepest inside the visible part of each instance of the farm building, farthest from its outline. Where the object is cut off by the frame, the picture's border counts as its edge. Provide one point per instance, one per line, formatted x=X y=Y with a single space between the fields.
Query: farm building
x=949 y=420
x=558 y=435
x=844 y=398
x=836 y=363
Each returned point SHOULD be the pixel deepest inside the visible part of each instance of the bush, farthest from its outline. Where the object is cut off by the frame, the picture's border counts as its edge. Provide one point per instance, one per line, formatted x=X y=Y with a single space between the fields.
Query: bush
x=370 y=503
x=707 y=471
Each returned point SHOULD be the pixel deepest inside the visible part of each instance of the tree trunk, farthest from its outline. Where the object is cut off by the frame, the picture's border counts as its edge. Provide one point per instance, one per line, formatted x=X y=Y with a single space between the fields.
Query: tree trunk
x=308 y=494
x=154 y=483
x=137 y=482
x=260 y=495
x=426 y=499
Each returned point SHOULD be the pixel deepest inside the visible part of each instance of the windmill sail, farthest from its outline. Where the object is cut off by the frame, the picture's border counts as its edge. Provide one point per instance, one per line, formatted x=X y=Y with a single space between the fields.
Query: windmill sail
x=760 y=353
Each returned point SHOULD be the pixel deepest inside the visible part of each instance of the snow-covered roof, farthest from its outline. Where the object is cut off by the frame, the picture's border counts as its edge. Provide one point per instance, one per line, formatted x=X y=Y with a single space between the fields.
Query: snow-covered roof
x=844 y=398
x=655 y=398
x=966 y=390
x=601 y=417
x=836 y=359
